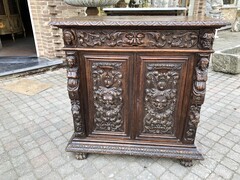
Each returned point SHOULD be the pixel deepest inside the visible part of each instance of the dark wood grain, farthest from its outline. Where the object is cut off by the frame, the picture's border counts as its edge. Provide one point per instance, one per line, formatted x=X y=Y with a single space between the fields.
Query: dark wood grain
x=137 y=85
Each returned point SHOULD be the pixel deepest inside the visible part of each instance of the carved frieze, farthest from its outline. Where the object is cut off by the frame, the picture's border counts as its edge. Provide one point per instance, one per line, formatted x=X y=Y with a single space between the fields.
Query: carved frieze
x=153 y=151
x=160 y=97
x=73 y=84
x=206 y=38
x=107 y=94
x=147 y=39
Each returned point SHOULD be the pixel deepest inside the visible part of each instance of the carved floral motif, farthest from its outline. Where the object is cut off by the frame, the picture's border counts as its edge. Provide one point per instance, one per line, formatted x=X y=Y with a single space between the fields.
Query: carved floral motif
x=160 y=98
x=73 y=91
x=107 y=89
x=154 y=39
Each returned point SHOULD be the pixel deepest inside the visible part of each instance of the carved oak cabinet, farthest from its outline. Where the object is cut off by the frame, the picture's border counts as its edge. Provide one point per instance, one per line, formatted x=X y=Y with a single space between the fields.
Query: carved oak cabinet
x=136 y=84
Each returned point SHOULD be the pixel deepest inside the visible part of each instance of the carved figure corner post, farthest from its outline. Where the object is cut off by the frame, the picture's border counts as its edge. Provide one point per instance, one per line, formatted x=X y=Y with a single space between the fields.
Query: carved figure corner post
x=73 y=86
x=198 y=95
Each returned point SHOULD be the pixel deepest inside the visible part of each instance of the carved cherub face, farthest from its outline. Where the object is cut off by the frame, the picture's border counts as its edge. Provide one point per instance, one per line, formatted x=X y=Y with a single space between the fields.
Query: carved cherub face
x=68 y=38
x=159 y=102
x=203 y=64
x=71 y=61
x=207 y=40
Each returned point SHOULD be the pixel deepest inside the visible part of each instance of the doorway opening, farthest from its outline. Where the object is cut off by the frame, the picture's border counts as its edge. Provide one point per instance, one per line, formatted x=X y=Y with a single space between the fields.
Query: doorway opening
x=16 y=32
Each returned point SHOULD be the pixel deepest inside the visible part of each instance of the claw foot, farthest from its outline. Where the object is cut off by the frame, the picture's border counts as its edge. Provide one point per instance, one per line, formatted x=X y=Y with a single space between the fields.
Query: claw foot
x=186 y=162
x=81 y=156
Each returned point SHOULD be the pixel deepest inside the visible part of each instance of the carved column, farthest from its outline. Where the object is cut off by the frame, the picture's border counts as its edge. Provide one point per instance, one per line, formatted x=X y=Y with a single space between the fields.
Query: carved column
x=73 y=83
x=206 y=37
x=198 y=94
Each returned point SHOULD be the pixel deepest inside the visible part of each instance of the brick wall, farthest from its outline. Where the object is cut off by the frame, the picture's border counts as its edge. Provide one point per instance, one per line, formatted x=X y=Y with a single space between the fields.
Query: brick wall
x=49 y=39
x=199 y=8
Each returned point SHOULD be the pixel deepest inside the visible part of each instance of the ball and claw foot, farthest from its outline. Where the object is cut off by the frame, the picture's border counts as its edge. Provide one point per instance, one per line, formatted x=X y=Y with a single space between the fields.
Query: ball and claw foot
x=186 y=162
x=81 y=156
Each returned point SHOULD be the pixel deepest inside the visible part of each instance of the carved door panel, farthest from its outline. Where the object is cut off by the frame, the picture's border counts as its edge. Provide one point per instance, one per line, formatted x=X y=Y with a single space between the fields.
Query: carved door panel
x=107 y=79
x=160 y=96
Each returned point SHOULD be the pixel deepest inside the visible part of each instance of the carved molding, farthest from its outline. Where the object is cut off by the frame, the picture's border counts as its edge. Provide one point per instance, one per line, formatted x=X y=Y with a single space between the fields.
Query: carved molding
x=164 y=23
x=73 y=85
x=206 y=38
x=179 y=153
x=160 y=97
x=107 y=92
x=153 y=39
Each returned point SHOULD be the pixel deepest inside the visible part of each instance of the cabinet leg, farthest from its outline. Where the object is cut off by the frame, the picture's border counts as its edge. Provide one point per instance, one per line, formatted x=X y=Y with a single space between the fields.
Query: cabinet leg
x=186 y=162
x=81 y=156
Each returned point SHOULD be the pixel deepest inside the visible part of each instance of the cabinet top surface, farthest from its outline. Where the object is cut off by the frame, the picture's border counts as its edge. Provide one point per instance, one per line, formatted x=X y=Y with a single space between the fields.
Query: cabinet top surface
x=139 y=21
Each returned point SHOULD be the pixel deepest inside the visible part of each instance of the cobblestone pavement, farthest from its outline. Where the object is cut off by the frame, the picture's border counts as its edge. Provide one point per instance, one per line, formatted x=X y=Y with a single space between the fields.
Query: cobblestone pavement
x=34 y=131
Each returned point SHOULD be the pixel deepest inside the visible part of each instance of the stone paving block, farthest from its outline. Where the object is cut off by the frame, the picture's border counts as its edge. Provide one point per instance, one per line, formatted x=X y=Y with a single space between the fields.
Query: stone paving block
x=209 y=163
x=57 y=162
x=145 y=174
x=4 y=157
x=25 y=168
x=214 y=155
x=17 y=161
x=53 y=153
x=178 y=170
x=47 y=146
x=9 y=175
x=89 y=170
x=134 y=168
x=214 y=176
x=236 y=177
x=234 y=155
x=220 y=148
x=39 y=161
x=42 y=171
x=123 y=174
x=52 y=176
x=65 y=170
x=226 y=142
x=223 y=172
x=168 y=175
x=78 y=176
x=29 y=176
x=156 y=169
x=201 y=171
x=6 y=166
x=191 y=176
x=16 y=151
x=78 y=164
x=231 y=164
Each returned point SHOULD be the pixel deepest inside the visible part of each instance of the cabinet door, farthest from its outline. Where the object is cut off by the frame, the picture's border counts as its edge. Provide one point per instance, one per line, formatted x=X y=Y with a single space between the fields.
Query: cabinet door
x=107 y=77
x=162 y=96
